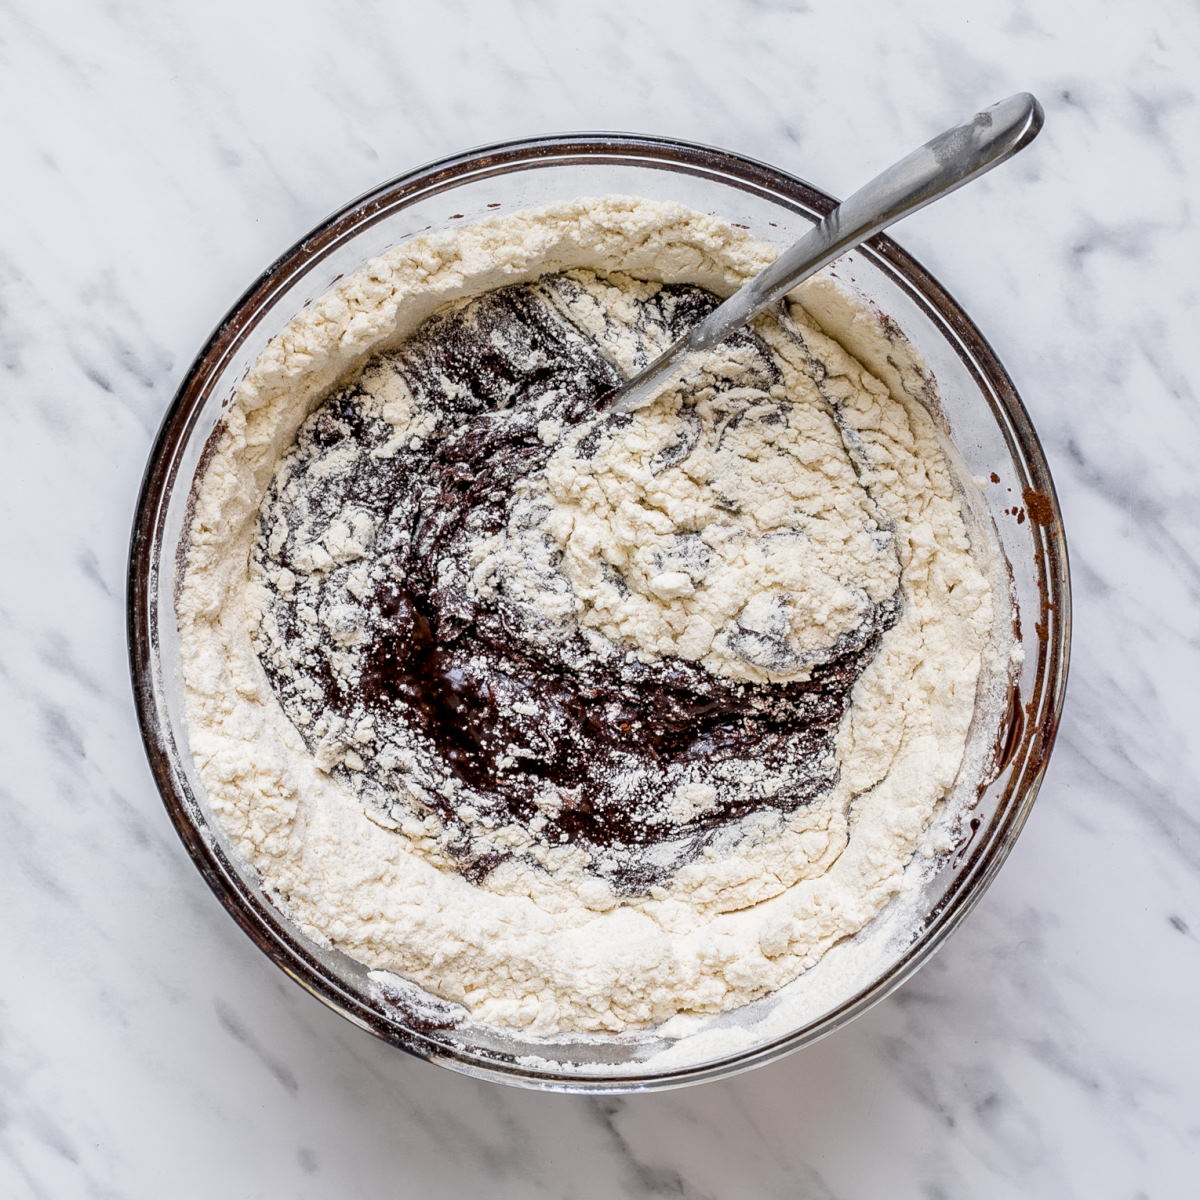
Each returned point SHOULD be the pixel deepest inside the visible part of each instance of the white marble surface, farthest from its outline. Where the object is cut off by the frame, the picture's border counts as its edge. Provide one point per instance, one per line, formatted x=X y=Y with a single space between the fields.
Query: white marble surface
x=156 y=156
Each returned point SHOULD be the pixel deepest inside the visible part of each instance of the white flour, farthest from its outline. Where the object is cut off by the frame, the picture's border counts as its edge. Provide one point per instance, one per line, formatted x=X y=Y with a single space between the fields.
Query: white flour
x=749 y=548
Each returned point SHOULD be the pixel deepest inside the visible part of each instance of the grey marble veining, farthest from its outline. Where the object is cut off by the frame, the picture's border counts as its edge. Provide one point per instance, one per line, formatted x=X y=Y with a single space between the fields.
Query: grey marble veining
x=156 y=156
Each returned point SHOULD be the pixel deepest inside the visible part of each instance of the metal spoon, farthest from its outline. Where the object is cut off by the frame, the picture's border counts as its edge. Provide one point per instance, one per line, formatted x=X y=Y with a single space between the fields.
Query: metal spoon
x=936 y=169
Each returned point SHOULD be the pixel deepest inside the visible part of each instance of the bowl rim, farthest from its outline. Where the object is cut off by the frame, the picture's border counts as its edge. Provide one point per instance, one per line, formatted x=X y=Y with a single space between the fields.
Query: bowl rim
x=1039 y=720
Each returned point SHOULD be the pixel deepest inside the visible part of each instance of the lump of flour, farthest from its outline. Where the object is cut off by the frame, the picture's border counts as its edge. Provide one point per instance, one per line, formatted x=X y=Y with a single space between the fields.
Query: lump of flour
x=577 y=721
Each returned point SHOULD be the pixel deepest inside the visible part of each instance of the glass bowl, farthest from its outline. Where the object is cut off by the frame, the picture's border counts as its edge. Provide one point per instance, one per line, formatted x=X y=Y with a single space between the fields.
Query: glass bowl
x=978 y=406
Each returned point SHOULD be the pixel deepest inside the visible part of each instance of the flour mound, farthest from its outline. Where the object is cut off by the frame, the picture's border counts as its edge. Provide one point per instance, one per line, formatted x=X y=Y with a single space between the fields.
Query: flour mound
x=711 y=668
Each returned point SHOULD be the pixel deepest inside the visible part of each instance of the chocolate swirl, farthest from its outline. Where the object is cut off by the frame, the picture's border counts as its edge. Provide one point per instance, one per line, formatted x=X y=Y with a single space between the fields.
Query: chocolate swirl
x=426 y=698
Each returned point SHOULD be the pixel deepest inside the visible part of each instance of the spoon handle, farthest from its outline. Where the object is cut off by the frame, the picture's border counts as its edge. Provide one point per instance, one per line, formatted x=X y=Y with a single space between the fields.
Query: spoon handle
x=936 y=169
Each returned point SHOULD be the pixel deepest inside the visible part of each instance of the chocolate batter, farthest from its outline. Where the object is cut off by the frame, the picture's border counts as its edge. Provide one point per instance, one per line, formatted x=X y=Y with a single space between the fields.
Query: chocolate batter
x=390 y=655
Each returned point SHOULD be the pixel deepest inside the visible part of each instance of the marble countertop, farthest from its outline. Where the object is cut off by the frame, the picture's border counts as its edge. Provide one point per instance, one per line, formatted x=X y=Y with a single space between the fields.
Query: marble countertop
x=156 y=156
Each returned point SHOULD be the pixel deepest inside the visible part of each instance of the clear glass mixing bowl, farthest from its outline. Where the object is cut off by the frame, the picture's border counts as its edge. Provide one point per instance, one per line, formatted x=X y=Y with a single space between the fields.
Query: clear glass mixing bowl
x=979 y=405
